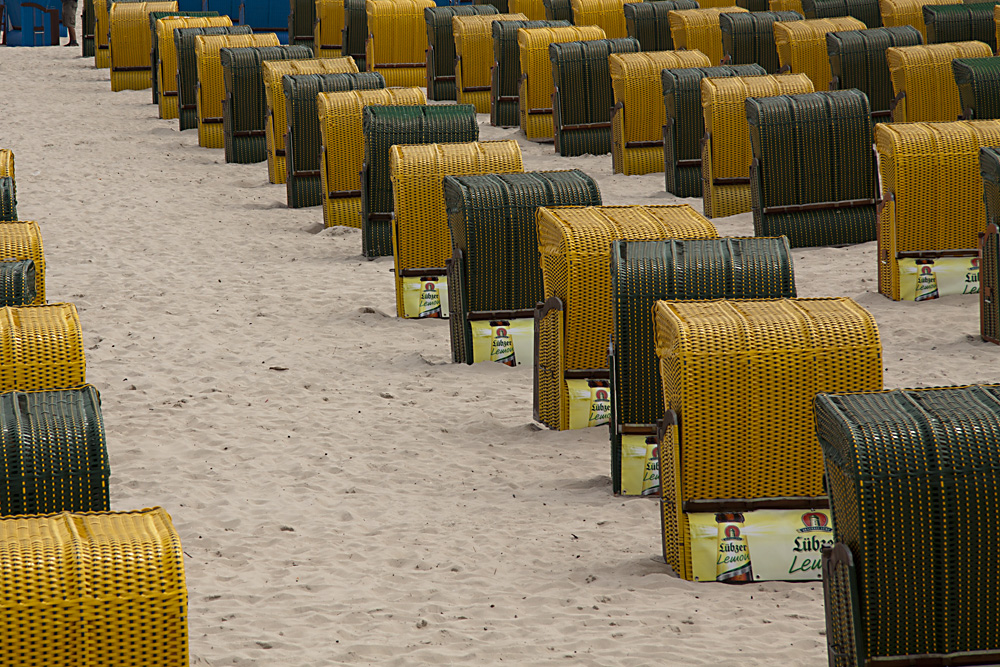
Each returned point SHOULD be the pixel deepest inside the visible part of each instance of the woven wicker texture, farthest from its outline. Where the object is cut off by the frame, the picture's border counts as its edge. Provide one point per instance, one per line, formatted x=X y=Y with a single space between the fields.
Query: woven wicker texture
x=7 y=165
x=397 y=41
x=102 y=27
x=866 y=11
x=274 y=94
x=923 y=80
x=608 y=15
x=648 y=271
x=154 y=54
x=54 y=457
x=164 y=56
x=533 y=9
x=726 y=155
x=648 y=22
x=131 y=44
x=22 y=241
x=8 y=200
x=785 y=6
x=355 y=31
x=699 y=30
x=908 y=12
x=535 y=89
x=742 y=376
x=913 y=472
x=749 y=38
x=638 y=119
x=187 y=68
x=558 y=10
x=301 y=20
x=303 y=138
x=420 y=237
x=89 y=24
x=840 y=597
x=41 y=348
x=384 y=127
x=961 y=23
x=244 y=112
x=505 y=77
x=802 y=46
x=343 y=151
x=583 y=98
x=441 y=45
x=932 y=188
x=328 y=29
x=18 y=281
x=989 y=246
x=93 y=589
x=494 y=261
x=978 y=81
x=473 y=37
x=501 y=5
x=857 y=60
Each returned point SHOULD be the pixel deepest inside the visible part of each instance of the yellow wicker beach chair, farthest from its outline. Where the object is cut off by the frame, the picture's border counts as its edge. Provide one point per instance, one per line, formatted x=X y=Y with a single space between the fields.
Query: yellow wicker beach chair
x=474 y=57
x=131 y=43
x=397 y=41
x=533 y=9
x=20 y=241
x=725 y=153
x=933 y=198
x=739 y=378
x=608 y=15
x=924 y=82
x=343 y=147
x=102 y=29
x=94 y=588
x=802 y=46
x=41 y=348
x=909 y=12
x=211 y=85
x=274 y=91
x=574 y=324
x=167 y=56
x=535 y=90
x=329 y=28
x=785 y=6
x=638 y=118
x=421 y=241
x=699 y=30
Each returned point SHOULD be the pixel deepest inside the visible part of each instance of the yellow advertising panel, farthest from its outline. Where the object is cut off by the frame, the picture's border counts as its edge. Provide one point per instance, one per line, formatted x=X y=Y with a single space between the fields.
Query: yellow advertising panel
x=926 y=279
x=764 y=545
x=589 y=402
x=510 y=342
x=425 y=296
x=640 y=466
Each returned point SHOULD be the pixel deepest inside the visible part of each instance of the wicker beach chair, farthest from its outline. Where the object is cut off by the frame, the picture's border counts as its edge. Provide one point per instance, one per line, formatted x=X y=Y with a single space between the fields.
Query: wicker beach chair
x=739 y=379
x=355 y=31
x=343 y=151
x=8 y=200
x=533 y=9
x=858 y=60
x=441 y=47
x=866 y=11
x=961 y=23
x=924 y=81
x=637 y=122
x=908 y=12
x=211 y=82
x=749 y=38
x=420 y=238
x=303 y=140
x=608 y=15
x=107 y=587
x=7 y=164
x=187 y=68
x=89 y=25
x=699 y=30
x=933 y=194
x=501 y=5
x=397 y=41
x=328 y=30
x=649 y=22
x=102 y=31
x=989 y=246
x=165 y=65
x=978 y=81
x=301 y=22
x=583 y=97
x=574 y=323
x=536 y=85
x=785 y=6
x=558 y=10
x=20 y=243
x=644 y=272
x=473 y=37
x=802 y=46
x=725 y=153
x=41 y=348
x=154 y=54
x=494 y=278
x=55 y=458
x=131 y=44
x=17 y=282
x=505 y=76
x=384 y=127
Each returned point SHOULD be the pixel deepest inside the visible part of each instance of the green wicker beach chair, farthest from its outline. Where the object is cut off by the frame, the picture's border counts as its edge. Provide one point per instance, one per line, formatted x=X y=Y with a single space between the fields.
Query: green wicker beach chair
x=857 y=60
x=866 y=11
x=506 y=77
x=89 y=26
x=749 y=38
x=54 y=453
x=912 y=471
x=187 y=68
x=501 y=5
x=989 y=247
x=154 y=55
x=643 y=272
x=355 y=31
x=441 y=47
x=583 y=98
x=961 y=23
x=303 y=139
x=648 y=23
x=558 y=10
x=821 y=188
x=755 y=5
x=8 y=200
x=385 y=126
x=301 y=20
x=685 y=123
x=244 y=109
x=978 y=81
x=494 y=273
x=18 y=282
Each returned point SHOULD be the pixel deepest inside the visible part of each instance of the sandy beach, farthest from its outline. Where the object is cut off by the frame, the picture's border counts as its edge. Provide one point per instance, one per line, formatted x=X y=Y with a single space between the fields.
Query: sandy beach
x=344 y=493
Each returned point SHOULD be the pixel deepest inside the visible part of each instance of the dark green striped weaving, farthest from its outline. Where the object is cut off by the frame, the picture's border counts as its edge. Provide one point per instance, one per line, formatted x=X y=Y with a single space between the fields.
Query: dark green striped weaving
x=355 y=32
x=154 y=55
x=8 y=200
x=961 y=23
x=187 y=68
x=749 y=38
x=441 y=47
x=501 y=5
x=978 y=82
x=558 y=10
x=17 y=282
x=507 y=70
x=301 y=21
x=866 y=11
x=89 y=27
x=989 y=254
x=648 y=23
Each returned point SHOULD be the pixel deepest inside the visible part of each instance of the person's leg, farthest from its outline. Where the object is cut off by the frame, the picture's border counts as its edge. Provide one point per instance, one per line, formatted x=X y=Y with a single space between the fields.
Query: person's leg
x=69 y=20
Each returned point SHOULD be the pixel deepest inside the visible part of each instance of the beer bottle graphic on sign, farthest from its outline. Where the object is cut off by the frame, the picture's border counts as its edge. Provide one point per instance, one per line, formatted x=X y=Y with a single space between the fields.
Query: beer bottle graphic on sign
x=927 y=288
x=733 y=560
x=502 y=344
x=430 y=299
x=651 y=475
x=600 y=403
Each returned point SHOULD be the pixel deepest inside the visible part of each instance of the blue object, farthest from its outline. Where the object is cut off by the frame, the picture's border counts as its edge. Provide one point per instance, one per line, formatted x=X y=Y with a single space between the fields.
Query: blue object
x=30 y=23
x=230 y=8
x=190 y=5
x=266 y=16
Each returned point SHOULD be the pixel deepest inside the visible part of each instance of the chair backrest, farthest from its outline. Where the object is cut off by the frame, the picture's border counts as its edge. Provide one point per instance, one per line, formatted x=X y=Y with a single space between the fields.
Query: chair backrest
x=866 y=11
x=608 y=15
x=924 y=81
x=154 y=54
x=650 y=24
x=243 y=79
x=441 y=47
x=699 y=29
x=558 y=10
x=8 y=200
x=802 y=46
x=858 y=60
x=748 y=38
x=978 y=81
x=961 y=23
x=533 y=9
x=908 y=12
x=506 y=74
x=301 y=20
x=22 y=241
x=397 y=40
x=329 y=29
x=187 y=66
